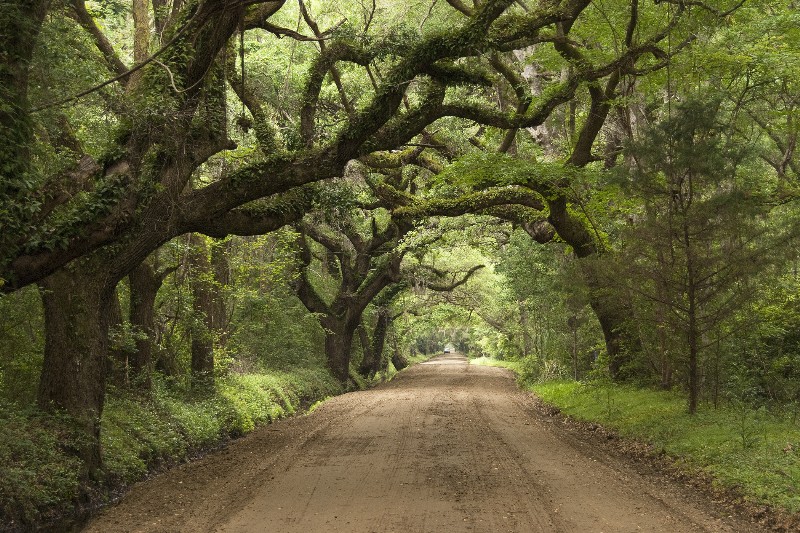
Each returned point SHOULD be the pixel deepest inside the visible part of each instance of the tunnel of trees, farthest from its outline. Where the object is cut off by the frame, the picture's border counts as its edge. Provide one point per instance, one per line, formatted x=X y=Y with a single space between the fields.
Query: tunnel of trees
x=194 y=189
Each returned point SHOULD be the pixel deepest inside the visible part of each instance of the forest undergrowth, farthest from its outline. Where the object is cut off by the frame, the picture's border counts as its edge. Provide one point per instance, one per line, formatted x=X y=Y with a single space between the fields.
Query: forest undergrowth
x=142 y=433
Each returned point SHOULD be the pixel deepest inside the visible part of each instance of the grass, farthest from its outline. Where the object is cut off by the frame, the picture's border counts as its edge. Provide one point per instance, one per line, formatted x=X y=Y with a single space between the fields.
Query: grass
x=171 y=425
x=414 y=359
x=140 y=432
x=38 y=478
x=753 y=451
x=516 y=366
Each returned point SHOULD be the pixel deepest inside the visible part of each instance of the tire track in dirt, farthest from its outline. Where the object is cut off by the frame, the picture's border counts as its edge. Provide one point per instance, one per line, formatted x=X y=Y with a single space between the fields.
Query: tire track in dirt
x=445 y=447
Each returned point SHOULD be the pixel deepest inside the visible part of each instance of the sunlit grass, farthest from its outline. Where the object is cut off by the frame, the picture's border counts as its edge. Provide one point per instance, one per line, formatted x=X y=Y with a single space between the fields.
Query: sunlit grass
x=488 y=361
x=754 y=451
x=139 y=431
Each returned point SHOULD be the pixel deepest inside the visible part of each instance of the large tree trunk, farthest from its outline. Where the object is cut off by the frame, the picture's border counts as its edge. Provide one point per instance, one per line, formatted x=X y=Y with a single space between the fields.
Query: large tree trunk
x=338 y=346
x=21 y=21
x=618 y=339
x=611 y=312
x=398 y=359
x=374 y=361
x=76 y=312
x=379 y=339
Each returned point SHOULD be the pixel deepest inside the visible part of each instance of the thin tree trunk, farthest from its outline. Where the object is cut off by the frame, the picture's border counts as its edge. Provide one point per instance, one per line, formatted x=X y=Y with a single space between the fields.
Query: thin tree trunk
x=367 y=366
x=141 y=39
x=117 y=357
x=221 y=269
x=692 y=333
x=694 y=382
x=573 y=325
x=144 y=285
x=523 y=323
x=202 y=364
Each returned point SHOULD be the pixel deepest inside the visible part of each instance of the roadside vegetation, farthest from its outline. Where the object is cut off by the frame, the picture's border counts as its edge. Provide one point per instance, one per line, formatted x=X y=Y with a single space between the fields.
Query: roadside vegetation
x=268 y=363
x=40 y=478
x=753 y=450
x=142 y=434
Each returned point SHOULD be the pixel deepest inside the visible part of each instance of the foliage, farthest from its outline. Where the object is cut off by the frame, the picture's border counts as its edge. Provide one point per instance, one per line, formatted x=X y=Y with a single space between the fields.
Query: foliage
x=173 y=424
x=39 y=477
x=753 y=451
x=21 y=345
x=141 y=160
x=702 y=232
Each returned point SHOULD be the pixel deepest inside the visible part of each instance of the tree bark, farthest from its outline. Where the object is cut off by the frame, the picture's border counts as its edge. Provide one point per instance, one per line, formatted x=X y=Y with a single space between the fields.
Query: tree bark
x=20 y=21
x=367 y=366
x=202 y=364
x=141 y=39
x=692 y=333
x=612 y=314
x=338 y=345
x=117 y=356
x=221 y=270
x=398 y=359
x=76 y=311
x=379 y=339
x=527 y=342
x=618 y=339
x=373 y=361
x=144 y=285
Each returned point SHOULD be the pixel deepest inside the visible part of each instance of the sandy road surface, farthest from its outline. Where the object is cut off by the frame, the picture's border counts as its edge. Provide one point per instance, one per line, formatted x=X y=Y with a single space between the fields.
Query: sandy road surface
x=444 y=447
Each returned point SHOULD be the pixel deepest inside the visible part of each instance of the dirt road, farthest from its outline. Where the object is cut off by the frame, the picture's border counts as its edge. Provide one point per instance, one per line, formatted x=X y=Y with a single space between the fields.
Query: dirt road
x=444 y=447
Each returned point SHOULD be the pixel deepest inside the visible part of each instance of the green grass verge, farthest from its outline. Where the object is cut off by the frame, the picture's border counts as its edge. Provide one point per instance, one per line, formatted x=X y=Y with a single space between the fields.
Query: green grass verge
x=416 y=359
x=38 y=476
x=753 y=451
x=169 y=425
x=140 y=432
x=516 y=366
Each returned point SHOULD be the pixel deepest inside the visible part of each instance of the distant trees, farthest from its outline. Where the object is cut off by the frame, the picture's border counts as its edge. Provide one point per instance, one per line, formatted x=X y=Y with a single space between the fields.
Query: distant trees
x=364 y=247
x=366 y=263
